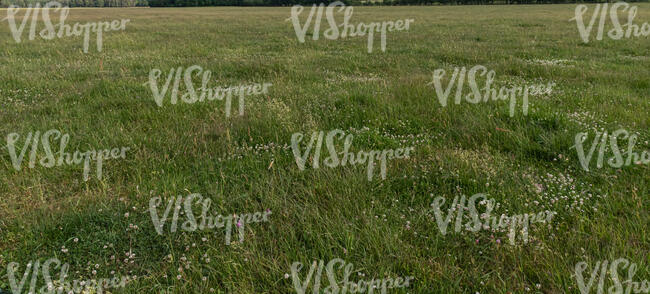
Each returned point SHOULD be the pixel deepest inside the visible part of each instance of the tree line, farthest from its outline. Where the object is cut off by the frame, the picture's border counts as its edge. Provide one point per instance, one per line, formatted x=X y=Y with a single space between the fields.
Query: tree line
x=76 y=3
x=191 y=3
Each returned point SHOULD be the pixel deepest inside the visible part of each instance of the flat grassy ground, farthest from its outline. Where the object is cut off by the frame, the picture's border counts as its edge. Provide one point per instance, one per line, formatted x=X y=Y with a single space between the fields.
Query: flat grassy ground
x=524 y=162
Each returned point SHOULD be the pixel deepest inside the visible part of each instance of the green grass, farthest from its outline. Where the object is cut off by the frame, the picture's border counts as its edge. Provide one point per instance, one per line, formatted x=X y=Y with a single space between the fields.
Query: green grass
x=99 y=99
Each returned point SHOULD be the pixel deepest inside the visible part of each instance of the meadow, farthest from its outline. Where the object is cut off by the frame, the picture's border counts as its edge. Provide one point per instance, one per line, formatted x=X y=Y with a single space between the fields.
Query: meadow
x=244 y=163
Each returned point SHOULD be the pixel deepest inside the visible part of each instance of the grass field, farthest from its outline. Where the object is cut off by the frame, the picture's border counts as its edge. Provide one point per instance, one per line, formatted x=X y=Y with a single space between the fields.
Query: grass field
x=243 y=163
